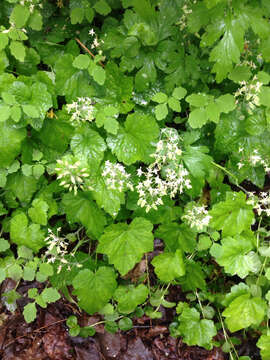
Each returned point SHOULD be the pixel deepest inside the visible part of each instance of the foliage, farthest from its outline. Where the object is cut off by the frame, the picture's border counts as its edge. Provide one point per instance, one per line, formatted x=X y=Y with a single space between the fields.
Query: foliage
x=126 y=120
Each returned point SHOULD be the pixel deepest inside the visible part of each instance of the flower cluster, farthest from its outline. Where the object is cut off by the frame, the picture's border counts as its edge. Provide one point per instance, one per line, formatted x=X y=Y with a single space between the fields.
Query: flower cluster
x=116 y=177
x=254 y=159
x=73 y=174
x=250 y=92
x=57 y=250
x=31 y=4
x=166 y=175
x=82 y=110
x=261 y=204
x=183 y=20
x=197 y=217
x=96 y=43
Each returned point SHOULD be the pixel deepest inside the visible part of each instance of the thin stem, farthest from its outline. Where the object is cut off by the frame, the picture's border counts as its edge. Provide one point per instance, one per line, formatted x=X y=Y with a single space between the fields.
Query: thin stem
x=197 y=295
x=87 y=50
x=230 y=174
x=226 y=336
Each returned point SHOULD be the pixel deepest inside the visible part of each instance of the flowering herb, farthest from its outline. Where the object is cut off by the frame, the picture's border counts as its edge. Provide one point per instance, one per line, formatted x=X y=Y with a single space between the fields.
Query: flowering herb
x=122 y=121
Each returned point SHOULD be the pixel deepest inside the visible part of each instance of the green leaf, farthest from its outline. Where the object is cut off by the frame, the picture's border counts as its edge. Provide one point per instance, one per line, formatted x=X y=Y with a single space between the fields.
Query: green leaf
x=169 y=266
x=228 y=50
x=99 y=74
x=197 y=161
x=194 y=277
x=198 y=100
x=17 y=49
x=179 y=93
x=244 y=311
x=46 y=269
x=10 y=143
x=133 y=141
x=76 y=15
x=38 y=212
x=35 y=21
x=240 y=73
x=28 y=273
x=3 y=41
x=125 y=324
x=107 y=117
x=4 y=245
x=16 y=113
x=50 y=295
x=19 y=15
x=22 y=234
x=196 y=331
x=108 y=199
x=25 y=253
x=129 y=297
x=56 y=134
x=70 y=82
x=30 y=312
x=94 y=290
x=81 y=208
x=197 y=118
x=233 y=215
x=264 y=345
x=88 y=145
x=23 y=187
x=102 y=7
x=5 y=112
x=160 y=98
x=81 y=62
x=236 y=256
x=30 y=110
x=226 y=103
x=161 y=111
x=175 y=236
x=125 y=244
x=174 y=104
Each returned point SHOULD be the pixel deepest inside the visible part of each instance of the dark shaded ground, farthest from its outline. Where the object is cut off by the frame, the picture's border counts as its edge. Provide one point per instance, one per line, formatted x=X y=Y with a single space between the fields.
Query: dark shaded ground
x=48 y=338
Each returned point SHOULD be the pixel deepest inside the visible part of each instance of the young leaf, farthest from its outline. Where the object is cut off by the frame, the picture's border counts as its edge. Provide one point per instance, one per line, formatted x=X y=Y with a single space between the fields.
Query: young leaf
x=233 y=215
x=264 y=344
x=94 y=290
x=81 y=208
x=174 y=104
x=125 y=244
x=88 y=145
x=244 y=311
x=81 y=62
x=161 y=111
x=133 y=141
x=236 y=256
x=17 y=49
x=50 y=295
x=30 y=312
x=169 y=266
x=129 y=297
x=38 y=212
x=198 y=118
x=22 y=234
x=160 y=98
x=35 y=21
x=99 y=74
x=19 y=15
x=102 y=7
x=10 y=143
x=196 y=331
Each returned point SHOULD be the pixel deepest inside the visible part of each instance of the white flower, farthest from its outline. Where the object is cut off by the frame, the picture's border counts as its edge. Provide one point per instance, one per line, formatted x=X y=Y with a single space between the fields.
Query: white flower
x=82 y=110
x=73 y=174
x=91 y=32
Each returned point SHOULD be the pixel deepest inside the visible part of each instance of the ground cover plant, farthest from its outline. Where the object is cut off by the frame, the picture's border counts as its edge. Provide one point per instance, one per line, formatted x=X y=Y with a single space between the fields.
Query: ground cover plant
x=124 y=122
